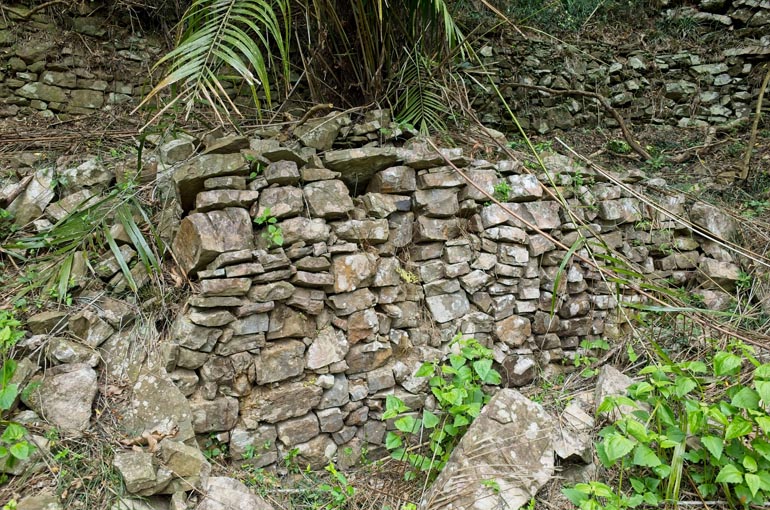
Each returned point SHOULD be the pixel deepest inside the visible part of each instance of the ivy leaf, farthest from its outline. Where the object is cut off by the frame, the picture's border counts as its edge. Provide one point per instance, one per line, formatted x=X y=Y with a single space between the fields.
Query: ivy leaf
x=483 y=368
x=714 y=445
x=737 y=428
x=726 y=363
x=644 y=456
x=729 y=474
x=429 y=419
x=753 y=482
x=407 y=424
x=746 y=398
x=617 y=446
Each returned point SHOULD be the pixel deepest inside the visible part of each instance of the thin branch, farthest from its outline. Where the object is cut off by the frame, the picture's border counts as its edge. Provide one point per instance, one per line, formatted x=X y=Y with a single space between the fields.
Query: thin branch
x=604 y=102
x=753 y=139
x=27 y=15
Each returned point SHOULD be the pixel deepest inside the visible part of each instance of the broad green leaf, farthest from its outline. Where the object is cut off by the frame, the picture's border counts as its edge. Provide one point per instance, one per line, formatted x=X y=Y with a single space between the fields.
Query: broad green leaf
x=9 y=367
x=753 y=482
x=637 y=430
x=429 y=419
x=601 y=490
x=644 y=456
x=13 y=432
x=714 y=445
x=763 y=388
x=762 y=372
x=393 y=441
x=684 y=385
x=762 y=447
x=21 y=450
x=408 y=424
x=575 y=496
x=425 y=370
x=617 y=446
x=739 y=427
x=746 y=398
x=726 y=363
x=764 y=423
x=486 y=373
x=461 y=421
x=729 y=474
x=8 y=395
x=749 y=464
x=651 y=499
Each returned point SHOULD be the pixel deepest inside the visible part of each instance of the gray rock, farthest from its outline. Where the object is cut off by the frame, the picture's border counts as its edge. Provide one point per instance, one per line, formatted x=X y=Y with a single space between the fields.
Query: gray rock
x=230 y=144
x=47 y=322
x=368 y=356
x=64 y=396
x=298 y=430
x=357 y=166
x=380 y=205
x=89 y=174
x=320 y=133
x=349 y=302
x=337 y=395
x=436 y=229
x=513 y=331
x=176 y=151
x=62 y=350
x=222 y=493
x=189 y=178
x=138 y=472
x=254 y=447
x=43 y=501
x=717 y=274
x=317 y=453
x=328 y=346
x=524 y=188
x=438 y=202
x=191 y=336
x=304 y=229
x=187 y=465
x=398 y=179
x=43 y=92
x=574 y=438
x=280 y=360
x=33 y=201
x=88 y=99
x=285 y=322
x=369 y=231
x=221 y=198
x=511 y=443
x=353 y=271
x=204 y=236
x=447 y=307
x=612 y=382
x=282 y=201
x=275 y=404
x=328 y=199
x=714 y=221
x=220 y=414
x=518 y=370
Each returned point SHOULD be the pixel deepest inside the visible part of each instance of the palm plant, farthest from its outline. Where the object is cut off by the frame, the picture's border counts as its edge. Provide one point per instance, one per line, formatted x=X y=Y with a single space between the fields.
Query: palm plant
x=350 y=50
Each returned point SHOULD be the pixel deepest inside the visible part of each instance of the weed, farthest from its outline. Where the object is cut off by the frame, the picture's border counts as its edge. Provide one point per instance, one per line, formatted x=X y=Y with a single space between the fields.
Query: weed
x=502 y=191
x=680 y=426
x=657 y=160
x=407 y=276
x=214 y=448
x=458 y=388
x=273 y=233
x=754 y=208
x=744 y=281
x=546 y=146
x=14 y=446
x=338 y=490
x=586 y=357
x=618 y=147
x=290 y=461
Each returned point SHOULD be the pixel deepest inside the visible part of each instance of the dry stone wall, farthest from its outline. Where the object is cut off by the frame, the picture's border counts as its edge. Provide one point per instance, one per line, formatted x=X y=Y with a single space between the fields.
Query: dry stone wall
x=387 y=254
x=74 y=65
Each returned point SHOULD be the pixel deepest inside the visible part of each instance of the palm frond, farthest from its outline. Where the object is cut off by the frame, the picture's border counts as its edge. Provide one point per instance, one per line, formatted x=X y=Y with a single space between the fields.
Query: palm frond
x=237 y=34
x=422 y=102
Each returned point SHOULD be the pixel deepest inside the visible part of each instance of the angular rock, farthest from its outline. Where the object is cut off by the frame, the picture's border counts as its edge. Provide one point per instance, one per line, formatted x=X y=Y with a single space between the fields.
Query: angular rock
x=225 y=287
x=230 y=144
x=157 y=405
x=349 y=302
x=272 y=405
x=280 y=360
x=369 y=231
x=64 y=396
x=439 y=203
x=353 y=271
x=357 y=166
x=513 y=331
x=138 y=471
x=298 y=430
x=328 y=346
x=328 y=199
x=303 y=229
x=30 y=204
x=189 y=177
x=221 y=198
x=204 y=236
x=365 y=357
x=286 y=322
x=511 y=443
x=188 y=466
x=282 y=202
x=220 y=414
x=222 y=493
x=447 y=307
x=47 y=322
x=714 y=221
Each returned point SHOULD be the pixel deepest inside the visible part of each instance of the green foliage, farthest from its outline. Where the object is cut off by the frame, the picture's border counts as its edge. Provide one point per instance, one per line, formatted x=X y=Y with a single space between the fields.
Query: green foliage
x=338 y=488
x=272 y=233
x=502 y=191
x=754 y=208
x=457 y=385
x=706 y=419
x=214 y=448
x=421 y=103
x=223 y=37
x=586 y=356
x=618 y=147
x=87 y=228
x=13 y=436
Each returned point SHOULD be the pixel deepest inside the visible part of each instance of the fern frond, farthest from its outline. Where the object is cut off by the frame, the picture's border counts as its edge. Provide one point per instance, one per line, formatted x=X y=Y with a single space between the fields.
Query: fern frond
x=238 y=34
x=421 y=103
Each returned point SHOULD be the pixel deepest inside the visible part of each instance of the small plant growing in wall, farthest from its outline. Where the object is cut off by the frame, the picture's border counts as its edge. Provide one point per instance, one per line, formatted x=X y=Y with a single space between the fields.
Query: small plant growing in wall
x=458 y=386
x=273 y=232
x=502 y=191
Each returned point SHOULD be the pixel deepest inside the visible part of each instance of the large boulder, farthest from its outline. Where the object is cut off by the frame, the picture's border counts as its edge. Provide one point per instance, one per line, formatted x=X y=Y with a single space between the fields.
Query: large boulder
x=204 y=236
x=503 y=459
x=64 y=396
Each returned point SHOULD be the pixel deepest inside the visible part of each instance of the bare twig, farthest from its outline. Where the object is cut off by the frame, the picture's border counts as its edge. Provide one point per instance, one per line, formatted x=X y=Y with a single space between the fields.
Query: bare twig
x=604 y=102
x=27 y=15
x=753 y=139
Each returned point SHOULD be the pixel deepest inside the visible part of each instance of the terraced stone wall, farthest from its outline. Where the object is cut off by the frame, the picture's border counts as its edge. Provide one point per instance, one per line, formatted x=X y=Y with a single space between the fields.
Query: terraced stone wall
x=387 y=254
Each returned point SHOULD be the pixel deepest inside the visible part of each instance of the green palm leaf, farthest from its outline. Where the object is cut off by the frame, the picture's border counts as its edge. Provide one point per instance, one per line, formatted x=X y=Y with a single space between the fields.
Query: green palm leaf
x=237 y=34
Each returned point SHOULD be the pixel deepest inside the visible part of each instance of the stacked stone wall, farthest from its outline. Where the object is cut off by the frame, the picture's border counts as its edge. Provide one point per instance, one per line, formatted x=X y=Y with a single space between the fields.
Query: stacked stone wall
x=297 y=346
